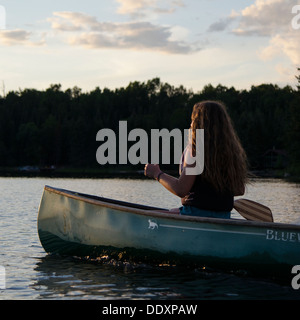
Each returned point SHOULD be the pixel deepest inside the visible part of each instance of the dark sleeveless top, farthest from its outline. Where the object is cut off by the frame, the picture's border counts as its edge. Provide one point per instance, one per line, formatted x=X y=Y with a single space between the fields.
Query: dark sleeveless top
x=205 y=197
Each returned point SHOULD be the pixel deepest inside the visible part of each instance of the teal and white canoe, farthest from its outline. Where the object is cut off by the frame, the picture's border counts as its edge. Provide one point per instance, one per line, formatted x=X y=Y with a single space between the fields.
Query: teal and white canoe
x=76 y=224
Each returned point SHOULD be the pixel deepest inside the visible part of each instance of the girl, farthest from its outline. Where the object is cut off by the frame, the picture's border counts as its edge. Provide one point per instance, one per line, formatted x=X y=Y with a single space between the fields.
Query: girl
x=211 y=193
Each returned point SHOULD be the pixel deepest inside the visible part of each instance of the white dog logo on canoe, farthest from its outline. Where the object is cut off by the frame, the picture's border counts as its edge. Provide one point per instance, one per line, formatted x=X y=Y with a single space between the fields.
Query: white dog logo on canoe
x=152 y=225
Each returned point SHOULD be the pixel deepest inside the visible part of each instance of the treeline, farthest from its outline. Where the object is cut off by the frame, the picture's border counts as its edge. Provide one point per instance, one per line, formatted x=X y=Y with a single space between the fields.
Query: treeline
x=56 y=127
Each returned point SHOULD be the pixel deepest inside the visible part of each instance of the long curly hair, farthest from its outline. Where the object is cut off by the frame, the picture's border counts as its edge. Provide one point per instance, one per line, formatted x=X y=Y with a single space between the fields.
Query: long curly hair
x=225 y=161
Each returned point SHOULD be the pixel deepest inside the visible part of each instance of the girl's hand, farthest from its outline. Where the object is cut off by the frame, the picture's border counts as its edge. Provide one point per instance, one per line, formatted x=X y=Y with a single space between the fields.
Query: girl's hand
x=152 y=170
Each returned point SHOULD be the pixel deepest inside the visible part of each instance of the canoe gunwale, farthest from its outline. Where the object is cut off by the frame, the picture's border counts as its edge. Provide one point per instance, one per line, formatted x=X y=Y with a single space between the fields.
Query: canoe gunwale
x=152 y=211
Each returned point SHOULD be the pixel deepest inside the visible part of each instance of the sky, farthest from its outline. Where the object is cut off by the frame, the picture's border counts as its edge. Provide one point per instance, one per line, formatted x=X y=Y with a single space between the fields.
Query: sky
x=110 y=43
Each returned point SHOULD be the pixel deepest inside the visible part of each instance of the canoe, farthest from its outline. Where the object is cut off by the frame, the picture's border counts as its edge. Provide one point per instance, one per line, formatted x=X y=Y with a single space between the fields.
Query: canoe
x=77 y=224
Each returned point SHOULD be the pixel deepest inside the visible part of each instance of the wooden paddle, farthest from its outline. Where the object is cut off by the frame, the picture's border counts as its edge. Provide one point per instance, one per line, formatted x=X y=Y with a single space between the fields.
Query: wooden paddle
x=253 y=211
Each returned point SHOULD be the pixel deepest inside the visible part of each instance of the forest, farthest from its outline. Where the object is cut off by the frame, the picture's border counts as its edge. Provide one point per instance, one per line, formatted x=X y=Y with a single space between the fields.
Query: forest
x=58 y=128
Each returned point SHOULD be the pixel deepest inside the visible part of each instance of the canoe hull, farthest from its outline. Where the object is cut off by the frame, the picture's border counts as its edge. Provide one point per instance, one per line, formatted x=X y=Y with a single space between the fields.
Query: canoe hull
x=74 y=224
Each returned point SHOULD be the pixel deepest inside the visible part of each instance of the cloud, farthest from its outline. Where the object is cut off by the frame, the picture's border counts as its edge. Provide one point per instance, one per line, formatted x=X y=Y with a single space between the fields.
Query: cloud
x=72 y=21
x=84 y=30
x=221 y=24
x=263 y=18
x=142 y=8
x=19 y=37
x=287 y=45
x=266 y=18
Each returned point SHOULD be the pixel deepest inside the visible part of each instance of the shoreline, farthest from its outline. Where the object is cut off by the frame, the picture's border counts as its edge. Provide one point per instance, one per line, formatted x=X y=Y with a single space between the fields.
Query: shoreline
x=73 y=172
x=118 y=172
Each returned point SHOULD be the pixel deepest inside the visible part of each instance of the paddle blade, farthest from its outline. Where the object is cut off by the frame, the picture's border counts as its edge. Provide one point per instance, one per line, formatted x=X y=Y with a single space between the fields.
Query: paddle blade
x=253 y=211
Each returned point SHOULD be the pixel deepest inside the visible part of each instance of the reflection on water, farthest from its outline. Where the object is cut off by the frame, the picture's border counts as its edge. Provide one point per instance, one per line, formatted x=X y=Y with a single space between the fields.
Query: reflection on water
x=32 y=274
x=67 y=278
x=99 y=281
x=282 y=197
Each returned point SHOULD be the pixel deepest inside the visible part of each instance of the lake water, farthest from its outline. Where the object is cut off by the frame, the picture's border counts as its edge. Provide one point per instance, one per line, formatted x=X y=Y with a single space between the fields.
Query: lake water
x=32 y=274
